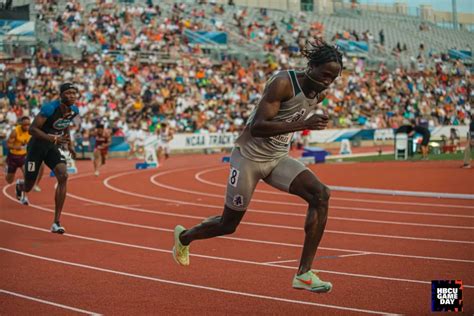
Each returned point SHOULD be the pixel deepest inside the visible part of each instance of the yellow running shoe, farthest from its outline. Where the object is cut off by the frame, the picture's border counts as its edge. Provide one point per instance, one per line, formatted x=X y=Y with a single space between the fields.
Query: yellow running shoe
x=180 y=252
x=311 y=282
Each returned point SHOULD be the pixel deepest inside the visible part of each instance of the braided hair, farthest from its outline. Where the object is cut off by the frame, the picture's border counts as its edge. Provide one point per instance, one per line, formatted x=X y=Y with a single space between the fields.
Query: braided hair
x=319 y=52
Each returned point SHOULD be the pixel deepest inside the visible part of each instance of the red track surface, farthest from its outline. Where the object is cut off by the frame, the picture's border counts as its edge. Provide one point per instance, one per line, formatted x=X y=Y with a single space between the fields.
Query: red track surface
x=380 y=252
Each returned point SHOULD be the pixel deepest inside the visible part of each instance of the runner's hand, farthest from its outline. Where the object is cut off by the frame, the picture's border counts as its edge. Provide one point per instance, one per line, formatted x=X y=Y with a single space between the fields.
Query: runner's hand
x=64 y=140
x=73 y=153
x=317 y=122
x=60 y=140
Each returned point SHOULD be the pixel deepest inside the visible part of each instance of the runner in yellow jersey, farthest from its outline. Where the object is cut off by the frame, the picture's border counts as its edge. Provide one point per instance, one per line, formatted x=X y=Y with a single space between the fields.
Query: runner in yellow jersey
x=17 y=141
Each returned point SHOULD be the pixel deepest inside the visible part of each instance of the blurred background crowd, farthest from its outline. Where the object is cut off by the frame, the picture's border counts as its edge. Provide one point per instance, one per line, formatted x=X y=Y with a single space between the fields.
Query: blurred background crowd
x=196 y=93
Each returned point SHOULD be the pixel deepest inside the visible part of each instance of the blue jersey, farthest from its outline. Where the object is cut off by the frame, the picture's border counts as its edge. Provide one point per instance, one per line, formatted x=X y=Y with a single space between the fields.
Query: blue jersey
x=57 y=121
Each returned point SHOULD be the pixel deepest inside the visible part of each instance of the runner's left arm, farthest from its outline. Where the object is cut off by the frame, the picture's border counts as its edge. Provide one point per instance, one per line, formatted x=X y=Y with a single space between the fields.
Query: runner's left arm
x=68 y=140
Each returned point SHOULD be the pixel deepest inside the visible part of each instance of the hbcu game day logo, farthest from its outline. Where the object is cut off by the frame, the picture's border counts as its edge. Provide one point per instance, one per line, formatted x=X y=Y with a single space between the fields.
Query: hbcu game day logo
x=446 y=296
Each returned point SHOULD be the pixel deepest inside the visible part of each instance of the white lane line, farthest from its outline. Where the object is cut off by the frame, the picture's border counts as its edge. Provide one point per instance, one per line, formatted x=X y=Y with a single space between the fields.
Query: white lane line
x=357 y=275
x=281 y=261
x=95 y=204
x=372 y=210
x=244 y=222
x=109 y=186
x=190 y=285
x=48 y=302
x=401 y=223
x=218 y=258
x=450 y=206
x=152 y=179
x=226 y=237
x=252 y=223
x=351 y=250
x=105 y=241
x=106 y=183
x=141 y=210
x=223 y=258
x=198 y=177
x=221 y=196
x=354 y=254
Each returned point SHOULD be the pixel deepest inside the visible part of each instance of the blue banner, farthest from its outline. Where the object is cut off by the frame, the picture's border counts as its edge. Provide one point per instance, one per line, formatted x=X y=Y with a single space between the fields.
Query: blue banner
x=353 y=46
x=459 y=54
x=16 y=27
x=204 y=37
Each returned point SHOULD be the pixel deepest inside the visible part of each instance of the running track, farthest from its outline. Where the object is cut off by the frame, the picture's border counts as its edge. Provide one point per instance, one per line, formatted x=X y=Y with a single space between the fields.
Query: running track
x=380 y=252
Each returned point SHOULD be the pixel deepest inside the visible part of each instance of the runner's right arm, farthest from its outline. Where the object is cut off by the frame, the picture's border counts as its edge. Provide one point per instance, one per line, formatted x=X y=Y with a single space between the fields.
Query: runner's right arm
x=35 y=129
x=279 y=90
x=11 y=141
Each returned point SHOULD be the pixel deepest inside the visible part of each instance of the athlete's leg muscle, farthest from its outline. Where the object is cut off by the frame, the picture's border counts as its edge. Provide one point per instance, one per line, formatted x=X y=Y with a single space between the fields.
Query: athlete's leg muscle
x=61 y=175
x=308 y=187
x=214 y=226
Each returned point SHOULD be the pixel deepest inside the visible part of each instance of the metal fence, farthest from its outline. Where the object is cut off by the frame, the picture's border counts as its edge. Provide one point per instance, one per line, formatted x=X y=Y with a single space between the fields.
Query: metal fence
x=17 y=49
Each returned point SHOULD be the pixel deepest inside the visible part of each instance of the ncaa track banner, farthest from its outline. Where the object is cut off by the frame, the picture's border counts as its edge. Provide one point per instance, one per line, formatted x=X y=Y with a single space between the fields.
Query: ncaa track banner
x=203 y=141
x=226 y=140
x=190 y=141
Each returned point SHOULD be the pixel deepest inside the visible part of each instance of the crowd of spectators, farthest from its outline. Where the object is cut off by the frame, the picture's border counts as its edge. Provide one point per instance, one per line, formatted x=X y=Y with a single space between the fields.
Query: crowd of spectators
x=196 y=94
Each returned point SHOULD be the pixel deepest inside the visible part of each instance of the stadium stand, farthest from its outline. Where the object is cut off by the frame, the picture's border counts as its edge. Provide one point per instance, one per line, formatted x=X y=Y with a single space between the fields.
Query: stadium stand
x=137 y=64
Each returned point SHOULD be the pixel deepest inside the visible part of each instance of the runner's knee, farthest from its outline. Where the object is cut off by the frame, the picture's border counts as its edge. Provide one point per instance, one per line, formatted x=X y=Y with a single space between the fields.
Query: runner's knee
x=9 y=178
x=62 y=176
x=321 y=193
x=228 y=228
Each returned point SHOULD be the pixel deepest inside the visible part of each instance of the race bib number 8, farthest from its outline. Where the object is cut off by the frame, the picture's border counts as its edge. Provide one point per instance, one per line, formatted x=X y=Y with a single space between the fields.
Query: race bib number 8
x=234 y=177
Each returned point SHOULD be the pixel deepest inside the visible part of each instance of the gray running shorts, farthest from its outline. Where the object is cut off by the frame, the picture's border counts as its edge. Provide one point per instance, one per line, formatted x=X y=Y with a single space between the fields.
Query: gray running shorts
x=245 y=173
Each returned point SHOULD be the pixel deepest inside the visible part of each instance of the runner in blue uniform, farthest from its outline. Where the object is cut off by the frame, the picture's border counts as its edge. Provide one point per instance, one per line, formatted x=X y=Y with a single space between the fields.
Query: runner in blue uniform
x=51 y=143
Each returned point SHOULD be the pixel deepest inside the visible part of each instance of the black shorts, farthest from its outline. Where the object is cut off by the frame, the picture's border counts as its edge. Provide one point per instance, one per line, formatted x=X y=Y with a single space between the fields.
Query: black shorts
x=425 y=140
x=14 y=162
x=39 y=152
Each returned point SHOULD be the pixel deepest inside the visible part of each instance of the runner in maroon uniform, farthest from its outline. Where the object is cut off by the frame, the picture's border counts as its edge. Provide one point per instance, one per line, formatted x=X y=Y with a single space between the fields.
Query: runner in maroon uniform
x=101 y=147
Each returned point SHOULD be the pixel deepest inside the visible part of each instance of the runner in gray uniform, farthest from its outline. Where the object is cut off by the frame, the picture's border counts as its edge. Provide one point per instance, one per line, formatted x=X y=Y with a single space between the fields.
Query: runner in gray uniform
x=165 y=135
x=261 y=152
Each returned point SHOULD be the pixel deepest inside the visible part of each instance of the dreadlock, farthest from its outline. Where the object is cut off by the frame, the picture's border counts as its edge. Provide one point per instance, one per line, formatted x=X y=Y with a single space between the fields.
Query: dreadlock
x=319 y=52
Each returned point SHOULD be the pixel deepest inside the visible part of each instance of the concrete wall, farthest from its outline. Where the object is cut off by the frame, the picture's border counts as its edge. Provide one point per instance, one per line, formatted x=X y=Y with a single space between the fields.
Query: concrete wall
x=463 y=18
x=323 y=6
